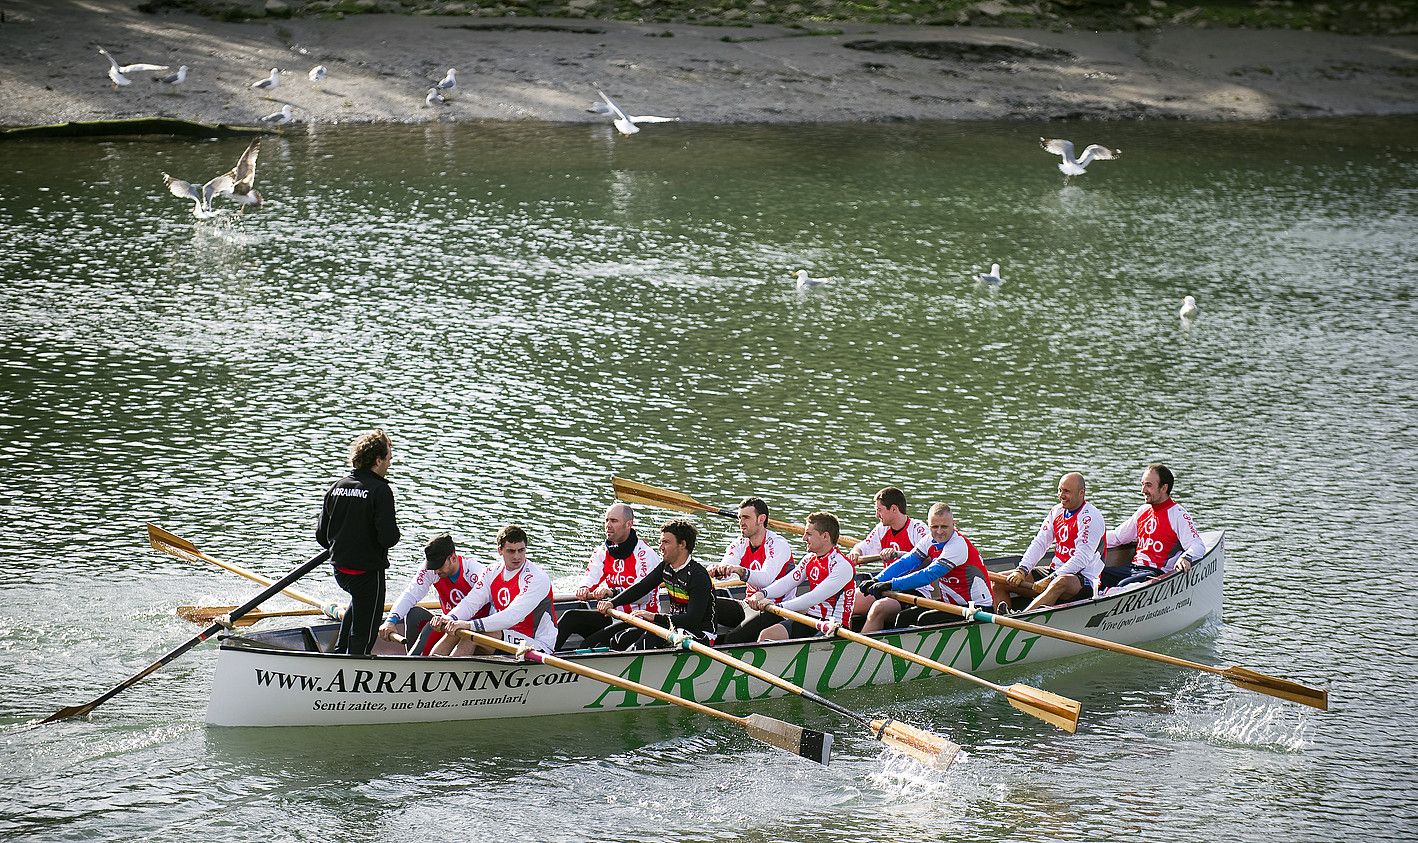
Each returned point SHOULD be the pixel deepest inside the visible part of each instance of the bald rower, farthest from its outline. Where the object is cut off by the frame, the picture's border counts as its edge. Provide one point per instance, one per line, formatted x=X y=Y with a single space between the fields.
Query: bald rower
x=1075 y=529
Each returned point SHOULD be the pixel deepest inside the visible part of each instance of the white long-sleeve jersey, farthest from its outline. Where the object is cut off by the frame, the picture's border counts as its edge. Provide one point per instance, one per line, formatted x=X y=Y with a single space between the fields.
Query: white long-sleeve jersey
x=1075 y=537
x=521 y=602
x=1157 y=541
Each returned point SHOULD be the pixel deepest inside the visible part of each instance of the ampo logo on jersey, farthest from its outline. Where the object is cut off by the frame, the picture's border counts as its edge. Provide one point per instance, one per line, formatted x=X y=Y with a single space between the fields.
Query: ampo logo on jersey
x=1063 y=533
x=618 y=565
x=504 y=596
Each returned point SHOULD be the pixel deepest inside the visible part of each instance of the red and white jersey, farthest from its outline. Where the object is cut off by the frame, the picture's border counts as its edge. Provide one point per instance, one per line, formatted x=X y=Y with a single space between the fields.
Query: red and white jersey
x=766 y=564
x=620 y=574
x=451 y=590
x=520 y=601
x=1160 y=531
x=1075 y=536
x=831 y=587
x=912 y=533
x=969 y=579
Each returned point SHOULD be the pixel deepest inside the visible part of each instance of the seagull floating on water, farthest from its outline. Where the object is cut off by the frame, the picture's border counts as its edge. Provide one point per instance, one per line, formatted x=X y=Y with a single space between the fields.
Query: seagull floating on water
x=174 y=78
x=318 y=72
x=237 y=184
x=1189 y=309
x=448 y=85
x=623 y=123
x=116 y=71
x=993 y=278
x=434 y=98
x=270 y=83
x=279 y=118
x=805 y=282
x=1076 y=167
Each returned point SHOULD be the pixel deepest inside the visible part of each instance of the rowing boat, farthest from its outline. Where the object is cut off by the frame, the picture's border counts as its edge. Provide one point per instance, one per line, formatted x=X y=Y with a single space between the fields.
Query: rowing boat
x=284 y=677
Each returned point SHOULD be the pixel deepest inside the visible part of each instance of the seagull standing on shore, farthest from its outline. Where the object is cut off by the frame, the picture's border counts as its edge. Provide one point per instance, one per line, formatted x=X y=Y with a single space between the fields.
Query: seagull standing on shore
x=993 y=278
x=318 y=73
x=1076 y=167
x=116 y=71
x=270 y=83
x=1189 y=309
x=623 y=123
x=279 y=118
x=434 y=98
x=174 y=78
x=448 y=85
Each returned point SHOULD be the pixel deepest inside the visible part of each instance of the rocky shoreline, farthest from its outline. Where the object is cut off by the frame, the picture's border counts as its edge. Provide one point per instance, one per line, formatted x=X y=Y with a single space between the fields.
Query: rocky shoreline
x=547 y=69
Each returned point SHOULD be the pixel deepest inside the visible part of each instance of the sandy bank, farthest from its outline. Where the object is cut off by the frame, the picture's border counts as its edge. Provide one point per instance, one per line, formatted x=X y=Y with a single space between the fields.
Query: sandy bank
x=533 y=69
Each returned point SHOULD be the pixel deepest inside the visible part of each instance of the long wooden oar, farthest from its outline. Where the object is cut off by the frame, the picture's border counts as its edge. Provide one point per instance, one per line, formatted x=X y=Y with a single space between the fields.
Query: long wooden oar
x=207 y=614
x=930 y=749
x=632 y=492
x=175 y=545
x=1050 y=708
x=808 y=743
x=275 y=588
x=1251 y=680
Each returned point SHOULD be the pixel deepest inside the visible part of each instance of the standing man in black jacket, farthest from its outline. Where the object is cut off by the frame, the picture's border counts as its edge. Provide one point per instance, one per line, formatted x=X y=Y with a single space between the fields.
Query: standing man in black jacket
x=357 y=524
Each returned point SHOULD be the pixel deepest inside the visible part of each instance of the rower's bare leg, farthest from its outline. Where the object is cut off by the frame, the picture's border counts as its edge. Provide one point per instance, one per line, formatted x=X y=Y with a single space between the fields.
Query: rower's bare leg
x=861 y=604
x=1060 y=590
x=444 y=647
x=883 y=613
x=481 y=649
x=776 y=632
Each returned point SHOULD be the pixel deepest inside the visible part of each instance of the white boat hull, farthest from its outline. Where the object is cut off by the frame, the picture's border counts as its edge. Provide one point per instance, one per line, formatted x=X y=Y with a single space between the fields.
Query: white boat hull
x=259 y=685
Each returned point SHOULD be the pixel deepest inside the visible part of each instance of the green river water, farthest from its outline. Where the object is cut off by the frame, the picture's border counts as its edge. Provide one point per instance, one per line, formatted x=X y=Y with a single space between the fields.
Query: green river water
x=531 y=309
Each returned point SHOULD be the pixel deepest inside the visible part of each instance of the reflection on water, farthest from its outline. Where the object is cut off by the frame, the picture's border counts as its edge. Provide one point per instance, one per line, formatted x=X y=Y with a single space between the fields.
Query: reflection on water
x=531 y=309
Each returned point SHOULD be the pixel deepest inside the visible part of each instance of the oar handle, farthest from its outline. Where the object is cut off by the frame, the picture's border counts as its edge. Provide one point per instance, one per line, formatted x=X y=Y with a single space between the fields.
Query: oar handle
x=591 y=673
x=738 y=664
x=882 y=646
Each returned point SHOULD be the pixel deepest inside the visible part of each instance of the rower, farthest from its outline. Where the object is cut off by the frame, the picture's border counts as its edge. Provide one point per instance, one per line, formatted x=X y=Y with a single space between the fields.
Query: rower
x=759 y=557
x=1160 y=527
x=895 y=534
x=446 y=572
x=944 y=567
x=1075 y=528
x=828 y=575
x=622 y=561
x=519 y=592
x=690 y=593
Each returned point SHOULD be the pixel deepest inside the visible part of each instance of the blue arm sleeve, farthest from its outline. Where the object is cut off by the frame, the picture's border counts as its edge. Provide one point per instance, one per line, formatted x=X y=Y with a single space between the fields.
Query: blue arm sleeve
x=925 y=576
x=902 y=566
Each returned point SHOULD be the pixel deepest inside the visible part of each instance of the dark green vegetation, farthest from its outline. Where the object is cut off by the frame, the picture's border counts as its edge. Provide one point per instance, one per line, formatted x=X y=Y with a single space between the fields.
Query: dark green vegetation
x=1364 y=17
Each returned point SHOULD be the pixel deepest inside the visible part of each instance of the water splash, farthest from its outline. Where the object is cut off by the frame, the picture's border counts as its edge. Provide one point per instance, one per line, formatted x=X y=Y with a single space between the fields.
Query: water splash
x=1243 y=720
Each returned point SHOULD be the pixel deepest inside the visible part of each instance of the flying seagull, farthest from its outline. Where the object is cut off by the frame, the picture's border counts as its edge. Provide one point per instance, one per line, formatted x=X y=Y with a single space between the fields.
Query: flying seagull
x=173 y=78
x=1075 y=167
x=434 y=98
x=279 y=118
x=1189 y=309
x=624 y=124
x=318 y=73
x=237 y=184
x=270 y=83
x=804 y=281
x=992 y=278
x=448 y=85
x=116 y=71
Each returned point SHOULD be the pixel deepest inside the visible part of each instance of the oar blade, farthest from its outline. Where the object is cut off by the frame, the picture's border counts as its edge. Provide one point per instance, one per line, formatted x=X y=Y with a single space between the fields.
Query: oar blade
x=930 y=749
x=69 y=711
x=632 y=492
x=1262 y=683
x=168 y=542
x=1051 y=708
x=808 y=743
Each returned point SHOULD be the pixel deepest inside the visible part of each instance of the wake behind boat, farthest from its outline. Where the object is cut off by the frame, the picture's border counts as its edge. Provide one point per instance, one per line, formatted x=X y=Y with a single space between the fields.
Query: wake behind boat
x=285 y=677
